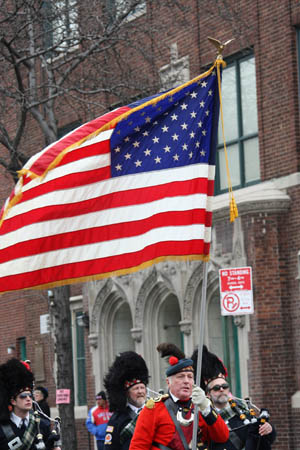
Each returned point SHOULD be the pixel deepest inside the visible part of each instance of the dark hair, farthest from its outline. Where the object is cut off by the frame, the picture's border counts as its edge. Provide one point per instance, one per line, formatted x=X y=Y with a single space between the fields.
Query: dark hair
x=101 y=395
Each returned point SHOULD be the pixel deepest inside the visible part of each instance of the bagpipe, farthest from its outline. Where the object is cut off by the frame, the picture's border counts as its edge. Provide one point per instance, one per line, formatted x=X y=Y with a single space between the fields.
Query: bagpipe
x=248 y=412
x=55 y=425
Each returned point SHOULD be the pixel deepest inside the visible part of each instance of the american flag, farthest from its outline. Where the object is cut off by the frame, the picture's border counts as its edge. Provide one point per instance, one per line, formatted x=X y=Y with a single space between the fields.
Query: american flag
x=126 y=190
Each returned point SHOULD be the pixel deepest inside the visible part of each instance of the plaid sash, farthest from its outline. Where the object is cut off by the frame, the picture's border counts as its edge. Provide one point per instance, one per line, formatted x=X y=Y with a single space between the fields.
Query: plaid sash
x=128 y=430
x=227 y=412
x=27 y=438
x=30 y=433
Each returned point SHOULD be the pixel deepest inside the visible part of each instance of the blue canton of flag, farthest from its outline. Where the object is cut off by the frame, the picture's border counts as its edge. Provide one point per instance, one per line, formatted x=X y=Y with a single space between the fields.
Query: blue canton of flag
x=175 y=131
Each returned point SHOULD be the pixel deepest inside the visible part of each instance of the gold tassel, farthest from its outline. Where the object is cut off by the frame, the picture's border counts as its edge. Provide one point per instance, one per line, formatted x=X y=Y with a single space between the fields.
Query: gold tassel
x=233 y=210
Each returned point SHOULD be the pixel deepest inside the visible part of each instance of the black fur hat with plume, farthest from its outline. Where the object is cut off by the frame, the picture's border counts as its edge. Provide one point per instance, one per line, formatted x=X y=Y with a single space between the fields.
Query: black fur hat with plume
x=177 y=361
x=212 y=367
x=128 y=369
x=15 y=377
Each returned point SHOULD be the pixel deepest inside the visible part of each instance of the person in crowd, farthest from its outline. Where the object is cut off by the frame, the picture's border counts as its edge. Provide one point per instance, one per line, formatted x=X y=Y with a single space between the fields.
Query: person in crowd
x=20 y=427
x=126 y=386
x=167 y=422
x=248 y=430
x=40 y=395
x=98 y=418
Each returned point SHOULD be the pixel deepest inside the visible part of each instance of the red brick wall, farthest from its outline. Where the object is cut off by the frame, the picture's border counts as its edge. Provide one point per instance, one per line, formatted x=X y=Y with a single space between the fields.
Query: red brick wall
x=20 y=314
x=267 y=336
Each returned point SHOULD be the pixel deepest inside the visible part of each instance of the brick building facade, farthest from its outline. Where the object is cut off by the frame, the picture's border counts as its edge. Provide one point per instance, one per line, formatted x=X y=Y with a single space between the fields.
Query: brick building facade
x=138 y=311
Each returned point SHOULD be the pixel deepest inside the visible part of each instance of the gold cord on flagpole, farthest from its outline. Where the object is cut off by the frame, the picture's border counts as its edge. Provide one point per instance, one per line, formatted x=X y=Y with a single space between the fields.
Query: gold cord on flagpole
x=219 y=61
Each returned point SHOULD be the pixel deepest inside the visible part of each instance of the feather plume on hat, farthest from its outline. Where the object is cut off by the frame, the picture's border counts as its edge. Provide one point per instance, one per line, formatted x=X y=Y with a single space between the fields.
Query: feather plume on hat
x=177 y=361
x=169 y=349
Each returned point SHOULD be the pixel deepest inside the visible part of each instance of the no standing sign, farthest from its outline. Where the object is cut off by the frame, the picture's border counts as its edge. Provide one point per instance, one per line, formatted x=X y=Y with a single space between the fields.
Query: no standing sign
x=236 y=291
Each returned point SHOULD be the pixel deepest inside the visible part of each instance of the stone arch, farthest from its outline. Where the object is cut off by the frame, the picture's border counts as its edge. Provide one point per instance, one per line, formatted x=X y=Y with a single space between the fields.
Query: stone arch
x=154 y=292
x=109 y=299
x=192 y=304
x=145 y=288
x=212 y=289
x=190 y=292
x=120 y=326
x=150 y=287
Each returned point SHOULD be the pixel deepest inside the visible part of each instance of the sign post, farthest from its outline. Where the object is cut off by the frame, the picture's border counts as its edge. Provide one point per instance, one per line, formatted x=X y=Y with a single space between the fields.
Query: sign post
x=236 y=291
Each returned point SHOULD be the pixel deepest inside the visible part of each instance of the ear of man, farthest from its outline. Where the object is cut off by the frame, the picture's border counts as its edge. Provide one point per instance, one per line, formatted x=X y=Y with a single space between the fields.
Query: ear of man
x=169 y=381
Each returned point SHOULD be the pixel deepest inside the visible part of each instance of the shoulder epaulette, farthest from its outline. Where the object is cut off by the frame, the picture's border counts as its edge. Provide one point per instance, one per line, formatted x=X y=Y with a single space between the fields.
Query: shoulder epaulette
x=151 y=402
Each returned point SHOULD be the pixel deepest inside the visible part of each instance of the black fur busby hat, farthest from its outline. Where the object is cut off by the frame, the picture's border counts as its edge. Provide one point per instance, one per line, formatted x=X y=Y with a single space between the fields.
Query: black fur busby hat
x=128 y=369
x=177 y=361
x=15 y=377
x=211 y=368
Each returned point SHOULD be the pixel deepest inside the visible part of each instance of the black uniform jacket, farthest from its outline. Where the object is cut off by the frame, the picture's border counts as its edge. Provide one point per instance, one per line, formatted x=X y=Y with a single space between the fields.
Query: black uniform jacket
x=245 y=437
x=114 y=427
x=44 y=428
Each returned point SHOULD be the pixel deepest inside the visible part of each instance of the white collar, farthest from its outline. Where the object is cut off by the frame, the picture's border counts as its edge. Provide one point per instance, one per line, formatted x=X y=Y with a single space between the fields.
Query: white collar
x=175 y=399
x=17 y=419
x=135 y=408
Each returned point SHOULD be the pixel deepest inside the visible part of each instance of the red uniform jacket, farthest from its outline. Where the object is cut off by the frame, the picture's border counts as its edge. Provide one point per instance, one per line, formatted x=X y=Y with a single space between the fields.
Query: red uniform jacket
x=155 y=425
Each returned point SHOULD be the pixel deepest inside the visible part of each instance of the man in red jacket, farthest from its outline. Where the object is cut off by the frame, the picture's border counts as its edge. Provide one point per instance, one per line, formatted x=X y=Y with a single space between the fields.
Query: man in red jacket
x=167 y=422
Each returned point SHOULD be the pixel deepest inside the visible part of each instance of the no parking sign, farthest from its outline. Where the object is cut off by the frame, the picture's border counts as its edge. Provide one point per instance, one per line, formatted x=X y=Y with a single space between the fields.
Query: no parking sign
x=236 y=291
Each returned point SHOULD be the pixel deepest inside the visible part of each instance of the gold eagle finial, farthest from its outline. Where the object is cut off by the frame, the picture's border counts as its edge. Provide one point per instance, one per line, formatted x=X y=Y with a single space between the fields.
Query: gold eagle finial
x=218 y=44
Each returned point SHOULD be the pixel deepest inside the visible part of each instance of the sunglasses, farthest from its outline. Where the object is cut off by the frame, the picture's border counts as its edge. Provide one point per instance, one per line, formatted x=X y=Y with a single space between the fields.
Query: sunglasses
x=24 y=395
x=217 y=387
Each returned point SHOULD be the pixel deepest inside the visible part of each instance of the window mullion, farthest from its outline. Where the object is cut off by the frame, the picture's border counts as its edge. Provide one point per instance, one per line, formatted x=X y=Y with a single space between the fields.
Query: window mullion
x=240 y=123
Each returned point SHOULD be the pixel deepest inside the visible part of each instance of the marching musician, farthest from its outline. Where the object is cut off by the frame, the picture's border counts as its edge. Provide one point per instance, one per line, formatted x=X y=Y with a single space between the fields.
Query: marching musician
x=246 y=431
x=20 y=428
x=167 y=422
x=126 y=386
